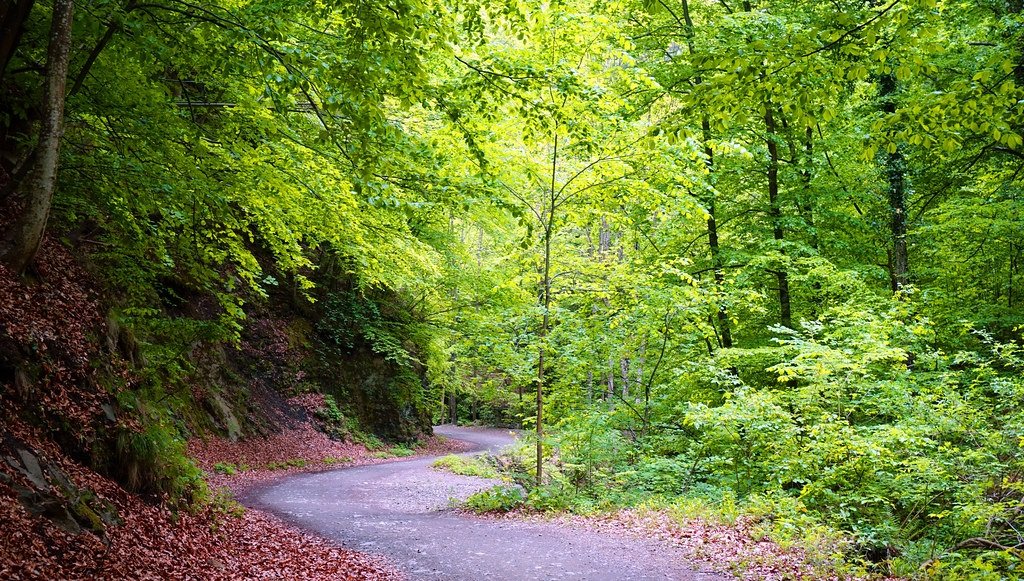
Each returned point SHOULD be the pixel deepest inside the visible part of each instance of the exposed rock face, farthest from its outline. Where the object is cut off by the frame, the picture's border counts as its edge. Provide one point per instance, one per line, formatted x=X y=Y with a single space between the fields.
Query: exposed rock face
x=47 y=491
x=387 y=397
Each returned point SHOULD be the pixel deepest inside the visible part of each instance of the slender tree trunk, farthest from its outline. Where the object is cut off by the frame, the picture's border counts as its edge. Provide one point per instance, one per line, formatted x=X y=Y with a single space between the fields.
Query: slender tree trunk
x=546 y=305
x=609 y=394
x=725 y=340
x=540 y=358
x=1014 y=260
x=895 y=171
x=775 y=212
x=22 y=241
x=113 y=28
x=719 y=274
x=807 y=197
x=624 y=371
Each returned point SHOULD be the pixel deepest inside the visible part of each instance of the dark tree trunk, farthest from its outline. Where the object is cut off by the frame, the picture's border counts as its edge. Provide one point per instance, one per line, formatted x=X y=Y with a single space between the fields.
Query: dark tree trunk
x=775 y=212
x=725 y=340
x=22 y=241
x=895 y=172
x=807 y=197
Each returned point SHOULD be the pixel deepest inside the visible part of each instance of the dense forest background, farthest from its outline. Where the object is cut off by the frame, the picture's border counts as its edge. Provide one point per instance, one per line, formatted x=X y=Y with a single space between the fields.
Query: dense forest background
x=761 y=256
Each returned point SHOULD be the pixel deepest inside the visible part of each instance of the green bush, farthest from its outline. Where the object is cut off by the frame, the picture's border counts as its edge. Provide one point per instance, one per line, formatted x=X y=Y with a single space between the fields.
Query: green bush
x=402 y=451
x=331 y=414
x=154 y=461
x=223 y=506
x=501 y=498
x=466 y=466
x=553 y=497
x=225 y=468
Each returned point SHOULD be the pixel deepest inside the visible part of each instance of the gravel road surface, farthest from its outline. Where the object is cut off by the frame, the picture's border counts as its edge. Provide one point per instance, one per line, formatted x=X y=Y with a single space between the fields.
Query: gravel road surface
x=401 y=510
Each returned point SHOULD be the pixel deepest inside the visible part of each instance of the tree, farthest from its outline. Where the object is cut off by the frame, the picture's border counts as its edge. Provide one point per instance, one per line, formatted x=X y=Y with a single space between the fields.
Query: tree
x=20 y=244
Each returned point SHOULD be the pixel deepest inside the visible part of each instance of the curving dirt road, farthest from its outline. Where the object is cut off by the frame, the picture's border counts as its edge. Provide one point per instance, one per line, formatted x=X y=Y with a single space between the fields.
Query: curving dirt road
x=399 y=510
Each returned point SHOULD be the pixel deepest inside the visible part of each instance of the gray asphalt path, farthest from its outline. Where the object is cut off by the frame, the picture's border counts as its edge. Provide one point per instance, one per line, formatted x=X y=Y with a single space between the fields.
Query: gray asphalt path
x=400 y=510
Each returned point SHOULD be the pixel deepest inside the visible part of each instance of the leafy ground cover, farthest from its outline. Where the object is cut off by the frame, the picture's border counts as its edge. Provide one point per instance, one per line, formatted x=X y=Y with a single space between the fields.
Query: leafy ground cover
x=110 y=533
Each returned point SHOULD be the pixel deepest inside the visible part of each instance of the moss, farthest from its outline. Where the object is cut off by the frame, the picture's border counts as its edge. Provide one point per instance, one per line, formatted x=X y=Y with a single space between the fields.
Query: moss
x=87 y=517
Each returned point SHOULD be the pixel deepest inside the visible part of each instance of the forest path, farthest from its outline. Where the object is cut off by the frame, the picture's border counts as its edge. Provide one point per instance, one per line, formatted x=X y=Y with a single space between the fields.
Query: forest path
x=400 y=510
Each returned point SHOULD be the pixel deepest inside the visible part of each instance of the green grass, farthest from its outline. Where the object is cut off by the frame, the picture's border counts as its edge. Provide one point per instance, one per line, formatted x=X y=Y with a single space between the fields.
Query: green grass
x=402 y=451
x=501 y=498
x=466 y=466
x=290 y=463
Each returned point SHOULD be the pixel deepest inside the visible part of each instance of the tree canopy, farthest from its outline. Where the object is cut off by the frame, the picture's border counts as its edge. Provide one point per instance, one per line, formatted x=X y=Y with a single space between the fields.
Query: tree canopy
x=763 y=253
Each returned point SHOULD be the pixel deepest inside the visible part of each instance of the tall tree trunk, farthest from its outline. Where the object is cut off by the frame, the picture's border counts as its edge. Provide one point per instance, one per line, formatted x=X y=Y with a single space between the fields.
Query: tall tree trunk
x=895 y=172
x=716 y=253
x=22 y=241
x=546 y=305
x=775 y=212
x=807 y=197
x=716 y=261
x=1014 y=264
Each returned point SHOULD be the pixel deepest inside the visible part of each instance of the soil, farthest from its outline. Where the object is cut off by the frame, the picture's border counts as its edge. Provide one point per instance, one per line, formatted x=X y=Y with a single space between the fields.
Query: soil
x=403 y=512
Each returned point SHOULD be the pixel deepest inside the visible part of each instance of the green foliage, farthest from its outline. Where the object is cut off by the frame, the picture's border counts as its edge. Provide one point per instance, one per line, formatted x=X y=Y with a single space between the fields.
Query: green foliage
x=153 y=461
x=401 y=451
x=286 y=464
x=500 y=498
x=331 y=415
x=223 y=506
x=683 y=225
x=466 y=465
x=226 y=468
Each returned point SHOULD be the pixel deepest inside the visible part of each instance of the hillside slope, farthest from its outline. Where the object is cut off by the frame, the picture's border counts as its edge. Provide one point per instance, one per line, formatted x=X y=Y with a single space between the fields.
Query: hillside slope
x=97 y=477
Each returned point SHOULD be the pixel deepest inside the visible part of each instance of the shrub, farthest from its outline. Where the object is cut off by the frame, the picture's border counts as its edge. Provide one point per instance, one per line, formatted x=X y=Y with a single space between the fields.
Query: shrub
x=466 y=466
x=225 y=468
x=330 y=413
x=501 y=498
x=402 y=451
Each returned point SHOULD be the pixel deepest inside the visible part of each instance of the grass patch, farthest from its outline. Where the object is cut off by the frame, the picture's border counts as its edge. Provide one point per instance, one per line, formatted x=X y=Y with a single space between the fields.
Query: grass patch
x=229 y=469
x=396 y=451
x=501 y=498
x=402 y=451
x=466 y=466
x=291 y=463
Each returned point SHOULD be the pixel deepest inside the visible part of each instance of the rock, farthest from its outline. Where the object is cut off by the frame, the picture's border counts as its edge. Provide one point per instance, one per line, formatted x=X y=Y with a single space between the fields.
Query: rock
x=230 y=422
x=30 y=468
